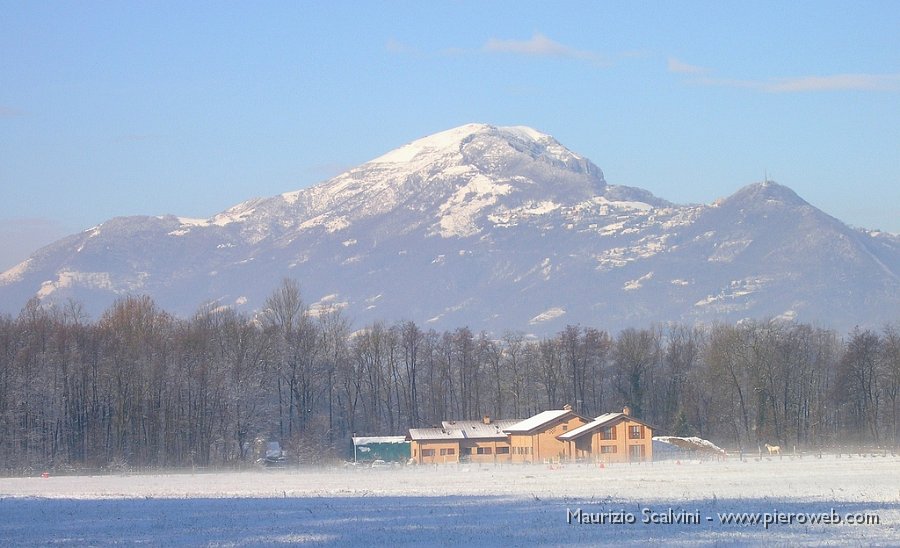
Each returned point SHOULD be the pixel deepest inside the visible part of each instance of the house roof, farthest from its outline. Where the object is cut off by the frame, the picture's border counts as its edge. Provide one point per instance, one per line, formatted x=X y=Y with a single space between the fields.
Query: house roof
x=541 y=419
x=418 y=434
x=596 y=423
x=599 y=422
x=480 y=430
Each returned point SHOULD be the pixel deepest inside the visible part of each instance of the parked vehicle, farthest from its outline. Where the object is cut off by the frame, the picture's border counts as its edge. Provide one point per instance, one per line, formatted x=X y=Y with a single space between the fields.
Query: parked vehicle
x=275 y=456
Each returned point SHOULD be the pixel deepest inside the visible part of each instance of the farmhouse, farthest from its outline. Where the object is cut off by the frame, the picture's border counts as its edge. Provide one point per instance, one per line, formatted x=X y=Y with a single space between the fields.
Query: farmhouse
x=536 y=439
x=555 y=435
x=612 y=437
x=484 y=440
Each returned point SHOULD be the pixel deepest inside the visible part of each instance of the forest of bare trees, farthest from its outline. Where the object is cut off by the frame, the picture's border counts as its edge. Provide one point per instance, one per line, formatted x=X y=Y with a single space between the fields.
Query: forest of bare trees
x=141 y=388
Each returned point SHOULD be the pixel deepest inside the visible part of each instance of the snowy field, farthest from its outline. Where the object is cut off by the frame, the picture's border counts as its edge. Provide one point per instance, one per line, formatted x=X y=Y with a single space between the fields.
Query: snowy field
x=515 y=505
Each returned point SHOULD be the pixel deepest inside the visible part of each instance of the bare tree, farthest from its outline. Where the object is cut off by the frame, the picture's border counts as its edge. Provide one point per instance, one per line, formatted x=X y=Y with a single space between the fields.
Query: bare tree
x=513 y=354
x=858 y=382
x=636 y=352
x=890 y=350
x=551 y=368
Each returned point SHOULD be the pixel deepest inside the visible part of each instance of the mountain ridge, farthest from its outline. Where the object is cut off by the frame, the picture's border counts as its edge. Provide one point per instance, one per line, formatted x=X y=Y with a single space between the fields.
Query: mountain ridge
x=492 y=227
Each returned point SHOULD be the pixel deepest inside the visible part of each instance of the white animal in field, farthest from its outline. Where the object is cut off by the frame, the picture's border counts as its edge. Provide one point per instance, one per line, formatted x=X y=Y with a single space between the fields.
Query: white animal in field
x=773 y=449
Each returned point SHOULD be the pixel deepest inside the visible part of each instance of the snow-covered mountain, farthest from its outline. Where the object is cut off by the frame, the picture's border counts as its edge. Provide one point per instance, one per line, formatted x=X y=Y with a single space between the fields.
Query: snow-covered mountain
x=493 y=228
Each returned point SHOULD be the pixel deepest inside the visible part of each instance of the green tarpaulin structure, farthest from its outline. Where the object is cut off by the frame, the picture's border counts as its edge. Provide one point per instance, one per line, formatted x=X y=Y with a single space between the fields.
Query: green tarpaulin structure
x=386 y=448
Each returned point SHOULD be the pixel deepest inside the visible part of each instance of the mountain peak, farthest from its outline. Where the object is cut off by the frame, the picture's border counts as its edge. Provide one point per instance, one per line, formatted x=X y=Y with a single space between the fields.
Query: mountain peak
x=766 y=192
x=482 y=140
x=447 y=140
x=453 y=181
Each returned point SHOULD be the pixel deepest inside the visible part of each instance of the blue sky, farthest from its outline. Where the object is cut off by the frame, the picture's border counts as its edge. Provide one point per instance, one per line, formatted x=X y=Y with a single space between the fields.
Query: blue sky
x=148 y=108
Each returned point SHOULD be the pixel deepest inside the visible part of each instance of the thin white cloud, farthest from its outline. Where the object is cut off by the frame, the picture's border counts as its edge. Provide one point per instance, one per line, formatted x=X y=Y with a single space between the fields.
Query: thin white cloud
x=9 y=112
x=135 y=137
x=540 y=46
x=799 y=84
x=395 y=46
x=836 y=82
x=807 y=84
x=679 y=67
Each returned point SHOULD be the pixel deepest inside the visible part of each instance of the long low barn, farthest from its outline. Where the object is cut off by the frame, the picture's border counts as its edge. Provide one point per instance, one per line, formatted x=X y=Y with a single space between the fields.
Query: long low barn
x=461 y=441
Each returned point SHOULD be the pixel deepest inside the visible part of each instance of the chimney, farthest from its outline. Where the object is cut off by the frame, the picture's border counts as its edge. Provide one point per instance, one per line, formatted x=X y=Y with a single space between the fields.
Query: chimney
x=567 y=407
x=626 y=411
x=486 y=419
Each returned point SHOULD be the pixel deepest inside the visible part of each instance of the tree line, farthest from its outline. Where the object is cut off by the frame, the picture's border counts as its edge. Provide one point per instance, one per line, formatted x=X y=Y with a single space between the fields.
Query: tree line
x=142 y=388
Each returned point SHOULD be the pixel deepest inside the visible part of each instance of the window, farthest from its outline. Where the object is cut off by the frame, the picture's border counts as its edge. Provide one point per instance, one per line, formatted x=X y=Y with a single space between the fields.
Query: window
x=607 y=449
x=608 y=433
x=636 y=432
x=484 y=450
x=503 y=450
x=636 y=452
x=565 y=428
x=448 y=451
x=427 y=452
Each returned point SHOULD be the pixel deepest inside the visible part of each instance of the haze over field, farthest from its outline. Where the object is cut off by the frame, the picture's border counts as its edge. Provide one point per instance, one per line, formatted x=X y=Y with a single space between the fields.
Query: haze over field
x=518 y=504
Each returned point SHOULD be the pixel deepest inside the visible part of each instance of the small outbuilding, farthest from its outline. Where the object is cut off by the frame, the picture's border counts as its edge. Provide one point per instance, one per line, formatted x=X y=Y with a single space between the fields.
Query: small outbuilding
x=386 y=448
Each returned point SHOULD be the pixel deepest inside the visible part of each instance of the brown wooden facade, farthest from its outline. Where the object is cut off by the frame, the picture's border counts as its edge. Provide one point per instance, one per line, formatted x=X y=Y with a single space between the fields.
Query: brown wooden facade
x=614 y=437
x=434 y=445
x=481 y=441
x=536 y=439
x=549 y=437
x=485 y=451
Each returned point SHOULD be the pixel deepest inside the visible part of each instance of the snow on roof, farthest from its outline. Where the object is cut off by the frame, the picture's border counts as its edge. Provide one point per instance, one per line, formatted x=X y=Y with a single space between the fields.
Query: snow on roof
x=365 y=440
x=538 y=420
x=417 y=434
x=596 y=423
x=479 y=430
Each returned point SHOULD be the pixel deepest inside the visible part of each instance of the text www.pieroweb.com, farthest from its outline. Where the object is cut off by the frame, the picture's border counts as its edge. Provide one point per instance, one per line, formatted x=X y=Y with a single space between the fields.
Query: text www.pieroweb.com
x=776 y=517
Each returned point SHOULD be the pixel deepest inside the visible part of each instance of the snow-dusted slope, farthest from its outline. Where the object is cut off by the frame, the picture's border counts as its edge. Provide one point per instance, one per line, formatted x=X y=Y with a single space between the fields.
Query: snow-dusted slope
x=491 y=227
